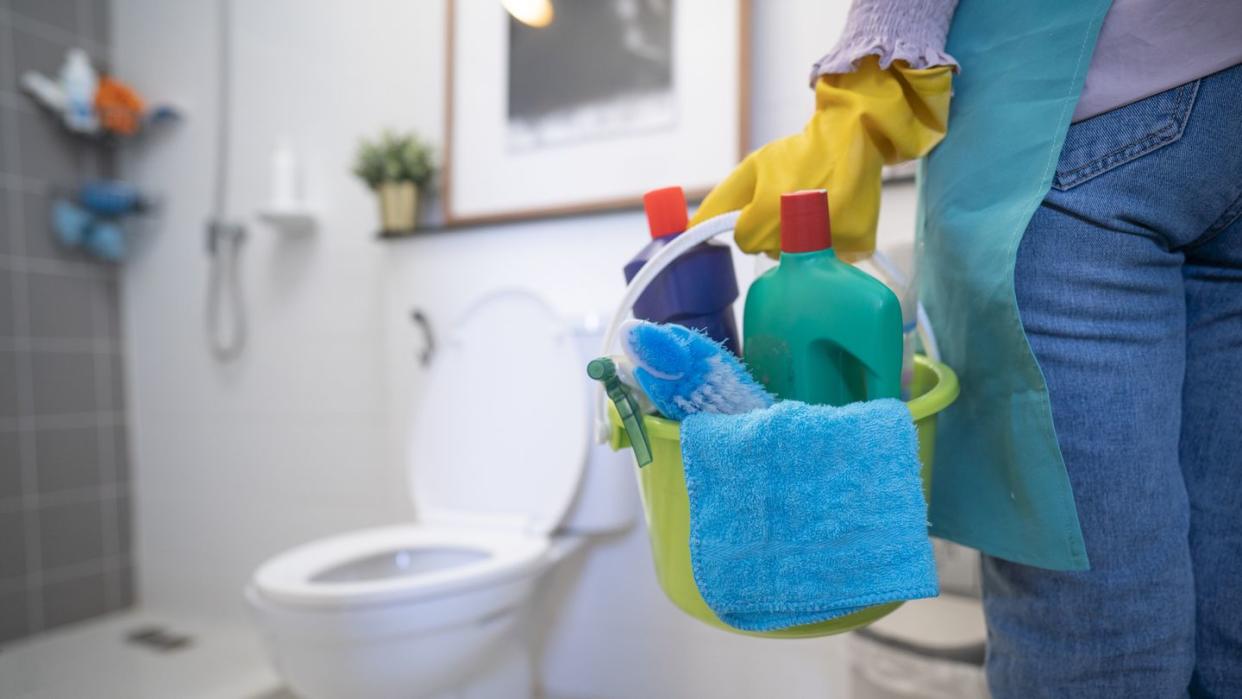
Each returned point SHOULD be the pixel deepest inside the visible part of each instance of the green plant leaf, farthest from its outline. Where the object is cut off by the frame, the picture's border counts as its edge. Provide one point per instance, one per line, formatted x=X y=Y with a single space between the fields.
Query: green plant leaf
x=394 y=157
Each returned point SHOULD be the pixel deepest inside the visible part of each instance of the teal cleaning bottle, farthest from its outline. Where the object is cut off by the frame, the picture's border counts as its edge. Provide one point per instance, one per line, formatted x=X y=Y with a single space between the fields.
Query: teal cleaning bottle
x=817 y=329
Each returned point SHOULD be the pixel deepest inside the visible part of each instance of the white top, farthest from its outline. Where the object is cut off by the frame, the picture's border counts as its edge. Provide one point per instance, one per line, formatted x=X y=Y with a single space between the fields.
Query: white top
x=500 y=436
x=1149 y=46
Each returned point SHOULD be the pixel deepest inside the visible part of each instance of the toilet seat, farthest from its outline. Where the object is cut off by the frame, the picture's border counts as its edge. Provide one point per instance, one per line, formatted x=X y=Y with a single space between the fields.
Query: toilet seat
x=338 y=572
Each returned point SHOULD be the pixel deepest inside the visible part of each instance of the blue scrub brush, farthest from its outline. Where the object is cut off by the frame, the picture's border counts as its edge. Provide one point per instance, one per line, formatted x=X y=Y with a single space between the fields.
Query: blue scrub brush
x=684 y=372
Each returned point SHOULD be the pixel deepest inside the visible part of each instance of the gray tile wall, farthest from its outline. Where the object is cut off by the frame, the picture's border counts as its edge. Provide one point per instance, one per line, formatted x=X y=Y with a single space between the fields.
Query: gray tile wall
x=64 y=477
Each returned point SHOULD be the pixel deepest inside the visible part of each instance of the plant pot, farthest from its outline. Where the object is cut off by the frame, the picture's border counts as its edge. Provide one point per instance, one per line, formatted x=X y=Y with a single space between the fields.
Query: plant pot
x=398 y=207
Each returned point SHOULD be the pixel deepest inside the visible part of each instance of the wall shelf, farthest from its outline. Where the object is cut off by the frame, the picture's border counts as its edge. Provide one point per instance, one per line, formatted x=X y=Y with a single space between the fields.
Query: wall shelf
x=292 y=220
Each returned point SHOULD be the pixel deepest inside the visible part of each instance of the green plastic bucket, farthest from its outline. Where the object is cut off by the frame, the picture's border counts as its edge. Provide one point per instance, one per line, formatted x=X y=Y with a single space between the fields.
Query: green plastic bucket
x=667 y=507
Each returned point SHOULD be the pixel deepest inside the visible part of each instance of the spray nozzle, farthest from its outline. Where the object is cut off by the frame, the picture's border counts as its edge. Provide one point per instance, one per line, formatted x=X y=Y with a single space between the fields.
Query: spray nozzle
x=604 y=370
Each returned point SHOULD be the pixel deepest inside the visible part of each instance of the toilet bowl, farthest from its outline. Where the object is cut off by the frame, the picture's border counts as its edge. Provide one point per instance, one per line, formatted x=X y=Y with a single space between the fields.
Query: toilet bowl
x=499 y=458
x=359 y=614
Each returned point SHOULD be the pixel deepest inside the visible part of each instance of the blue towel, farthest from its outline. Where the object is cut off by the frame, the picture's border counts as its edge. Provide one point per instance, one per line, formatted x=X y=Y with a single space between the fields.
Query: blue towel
x=802 y=513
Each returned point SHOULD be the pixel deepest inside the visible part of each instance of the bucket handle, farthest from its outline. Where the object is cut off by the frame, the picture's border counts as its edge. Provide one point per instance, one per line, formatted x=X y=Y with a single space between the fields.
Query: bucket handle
x=694 y=235
x=701 y=233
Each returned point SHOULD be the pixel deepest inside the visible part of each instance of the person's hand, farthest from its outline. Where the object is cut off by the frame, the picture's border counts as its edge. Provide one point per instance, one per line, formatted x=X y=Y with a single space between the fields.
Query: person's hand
x=862 y=121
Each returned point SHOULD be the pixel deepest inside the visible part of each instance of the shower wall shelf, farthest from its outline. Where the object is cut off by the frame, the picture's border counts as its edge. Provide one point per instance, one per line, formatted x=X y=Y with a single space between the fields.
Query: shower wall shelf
x=290 y=219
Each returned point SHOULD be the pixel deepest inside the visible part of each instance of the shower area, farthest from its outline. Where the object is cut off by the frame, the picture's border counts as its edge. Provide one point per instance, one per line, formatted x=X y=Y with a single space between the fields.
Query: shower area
x=65 y=495
x=72 y=621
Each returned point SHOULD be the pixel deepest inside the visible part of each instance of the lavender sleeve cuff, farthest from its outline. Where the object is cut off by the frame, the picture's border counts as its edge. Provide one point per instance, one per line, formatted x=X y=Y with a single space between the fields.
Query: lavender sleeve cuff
x=913 y=31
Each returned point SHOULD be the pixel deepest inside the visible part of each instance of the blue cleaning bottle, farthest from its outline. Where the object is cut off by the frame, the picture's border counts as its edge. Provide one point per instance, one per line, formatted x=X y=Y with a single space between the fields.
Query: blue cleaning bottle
x=699 y=288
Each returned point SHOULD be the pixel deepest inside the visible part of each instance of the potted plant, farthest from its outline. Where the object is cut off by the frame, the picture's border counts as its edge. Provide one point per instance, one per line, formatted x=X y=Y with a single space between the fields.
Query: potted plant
x=395 y=166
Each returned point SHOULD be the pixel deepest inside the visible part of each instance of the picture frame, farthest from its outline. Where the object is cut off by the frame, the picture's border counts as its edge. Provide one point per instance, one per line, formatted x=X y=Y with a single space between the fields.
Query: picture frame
x=590 y=117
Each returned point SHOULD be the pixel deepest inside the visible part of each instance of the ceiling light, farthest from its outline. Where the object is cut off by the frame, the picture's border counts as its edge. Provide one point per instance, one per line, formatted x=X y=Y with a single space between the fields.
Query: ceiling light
x=532 y=13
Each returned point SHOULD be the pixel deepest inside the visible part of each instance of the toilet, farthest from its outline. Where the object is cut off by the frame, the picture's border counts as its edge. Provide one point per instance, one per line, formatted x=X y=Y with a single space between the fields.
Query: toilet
x=505 y=482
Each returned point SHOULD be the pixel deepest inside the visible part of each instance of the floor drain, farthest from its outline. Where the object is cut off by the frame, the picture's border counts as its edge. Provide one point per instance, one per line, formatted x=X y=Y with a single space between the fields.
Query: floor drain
x=158 y=639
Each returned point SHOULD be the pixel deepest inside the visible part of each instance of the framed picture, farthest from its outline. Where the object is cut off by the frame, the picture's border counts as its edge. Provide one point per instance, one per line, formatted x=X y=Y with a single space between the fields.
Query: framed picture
x=608 y=100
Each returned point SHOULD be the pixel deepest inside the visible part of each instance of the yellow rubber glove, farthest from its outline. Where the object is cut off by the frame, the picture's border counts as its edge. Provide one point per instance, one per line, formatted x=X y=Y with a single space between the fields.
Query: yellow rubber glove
x=863 y=120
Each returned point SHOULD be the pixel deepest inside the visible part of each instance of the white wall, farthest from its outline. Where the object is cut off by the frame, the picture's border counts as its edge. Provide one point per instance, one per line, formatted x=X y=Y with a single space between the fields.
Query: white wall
x=234 y=462
x=296 y=439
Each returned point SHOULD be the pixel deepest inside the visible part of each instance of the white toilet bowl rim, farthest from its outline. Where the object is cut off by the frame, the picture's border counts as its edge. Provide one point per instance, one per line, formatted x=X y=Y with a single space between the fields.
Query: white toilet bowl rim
x=290 y=578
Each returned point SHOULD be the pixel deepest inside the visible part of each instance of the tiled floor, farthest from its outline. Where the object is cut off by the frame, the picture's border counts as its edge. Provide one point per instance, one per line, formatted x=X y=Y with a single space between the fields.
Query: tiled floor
x=93 y=659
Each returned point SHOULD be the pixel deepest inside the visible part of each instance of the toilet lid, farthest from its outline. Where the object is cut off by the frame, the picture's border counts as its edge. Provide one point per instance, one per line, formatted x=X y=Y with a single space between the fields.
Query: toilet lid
x=500 y=435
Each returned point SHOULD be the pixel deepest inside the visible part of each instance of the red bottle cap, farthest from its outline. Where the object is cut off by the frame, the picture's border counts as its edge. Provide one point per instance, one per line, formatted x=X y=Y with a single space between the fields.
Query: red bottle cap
x=804 y=221
x=666 y=211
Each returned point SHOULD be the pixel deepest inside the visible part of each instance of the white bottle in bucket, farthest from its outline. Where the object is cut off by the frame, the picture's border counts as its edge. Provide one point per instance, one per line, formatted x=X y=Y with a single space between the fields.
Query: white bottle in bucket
x=905 y=286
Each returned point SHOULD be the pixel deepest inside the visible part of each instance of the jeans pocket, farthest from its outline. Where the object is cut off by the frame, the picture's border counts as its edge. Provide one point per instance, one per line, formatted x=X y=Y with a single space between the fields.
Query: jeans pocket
x=1112 y=139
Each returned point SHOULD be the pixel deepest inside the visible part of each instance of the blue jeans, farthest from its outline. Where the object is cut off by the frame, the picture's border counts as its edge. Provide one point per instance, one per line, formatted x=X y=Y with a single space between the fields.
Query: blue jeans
x=1129 y=285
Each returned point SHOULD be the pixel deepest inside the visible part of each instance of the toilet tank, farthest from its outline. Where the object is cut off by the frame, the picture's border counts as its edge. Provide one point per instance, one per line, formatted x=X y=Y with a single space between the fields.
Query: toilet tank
x=607 y=498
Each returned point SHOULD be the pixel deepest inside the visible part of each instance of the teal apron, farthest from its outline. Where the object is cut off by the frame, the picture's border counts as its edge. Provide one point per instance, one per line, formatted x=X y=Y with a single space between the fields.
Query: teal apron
x=1000 y=483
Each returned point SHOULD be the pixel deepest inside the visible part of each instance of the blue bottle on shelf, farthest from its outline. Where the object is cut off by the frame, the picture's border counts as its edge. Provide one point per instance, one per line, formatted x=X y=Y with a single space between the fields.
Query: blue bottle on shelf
x=699 y=288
